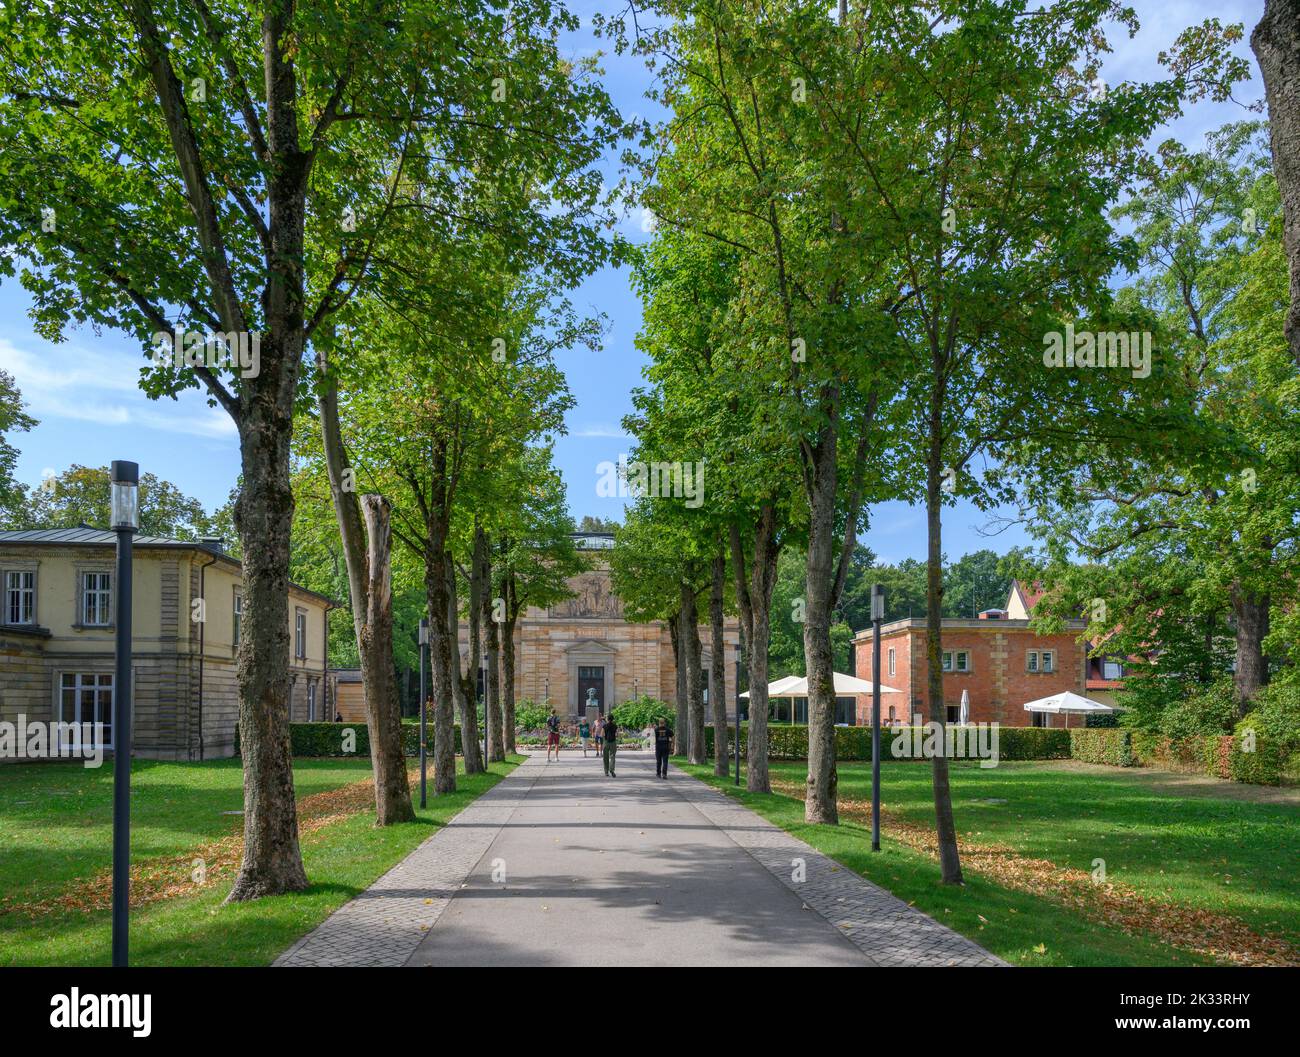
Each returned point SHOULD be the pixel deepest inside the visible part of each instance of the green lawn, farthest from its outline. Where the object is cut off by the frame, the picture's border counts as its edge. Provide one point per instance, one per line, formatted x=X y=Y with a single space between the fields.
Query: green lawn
x=55 y=829
x=1203 y=853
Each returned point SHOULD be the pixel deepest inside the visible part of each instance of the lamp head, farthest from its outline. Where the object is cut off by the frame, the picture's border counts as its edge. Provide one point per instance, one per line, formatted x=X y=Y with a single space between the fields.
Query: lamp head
x=424 y=631
x=124 y=478
x=877 y=602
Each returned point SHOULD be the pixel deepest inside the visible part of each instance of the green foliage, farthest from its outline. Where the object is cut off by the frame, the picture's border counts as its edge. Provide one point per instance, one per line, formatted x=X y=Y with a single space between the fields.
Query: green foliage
x=637 y=713
x=529 y=715
x=327 y=739
x=1100 y=745
x=13 y=493
x=1211 y=710
x=789 y=742
x=1276 y=715
x=81 y=495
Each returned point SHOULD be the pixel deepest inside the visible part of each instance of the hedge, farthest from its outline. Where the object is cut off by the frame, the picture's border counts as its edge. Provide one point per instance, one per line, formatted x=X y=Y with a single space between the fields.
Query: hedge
x=326 y=739
x=1111 y=745
x=786 y=742
x=1220 y=756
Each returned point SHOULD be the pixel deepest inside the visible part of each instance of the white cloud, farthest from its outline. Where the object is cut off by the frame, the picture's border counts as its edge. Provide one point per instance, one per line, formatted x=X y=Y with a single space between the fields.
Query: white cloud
x=71 y=382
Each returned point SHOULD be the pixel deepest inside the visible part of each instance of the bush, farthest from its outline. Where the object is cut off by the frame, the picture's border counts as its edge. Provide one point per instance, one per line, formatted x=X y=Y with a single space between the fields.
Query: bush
x=786 y=742
x=1211 y=710
x=637 y=713
x=1275 y=715
x=326 y=739
x=1265 y=765
x=1103 y=745
x=529 y=715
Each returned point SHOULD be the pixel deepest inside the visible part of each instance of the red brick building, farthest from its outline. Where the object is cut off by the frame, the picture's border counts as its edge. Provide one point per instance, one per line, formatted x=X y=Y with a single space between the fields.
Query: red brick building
x=996 y=657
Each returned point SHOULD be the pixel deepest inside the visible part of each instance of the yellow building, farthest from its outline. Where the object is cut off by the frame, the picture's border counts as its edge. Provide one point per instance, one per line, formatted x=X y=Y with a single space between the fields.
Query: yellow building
x=57 y=639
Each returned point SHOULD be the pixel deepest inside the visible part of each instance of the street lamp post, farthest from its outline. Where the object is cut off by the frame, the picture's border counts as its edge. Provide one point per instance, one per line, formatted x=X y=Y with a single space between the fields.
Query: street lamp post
x=424 y=647
x=877 y=615
x=737 y=747
x=125 y=484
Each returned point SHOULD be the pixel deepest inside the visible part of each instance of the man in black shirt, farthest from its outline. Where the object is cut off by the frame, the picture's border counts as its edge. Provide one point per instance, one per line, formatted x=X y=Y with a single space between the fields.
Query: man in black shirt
x=663 y=743
x=609 y=731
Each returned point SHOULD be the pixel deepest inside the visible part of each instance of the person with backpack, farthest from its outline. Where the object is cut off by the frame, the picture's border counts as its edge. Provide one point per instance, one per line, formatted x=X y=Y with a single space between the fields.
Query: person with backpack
x=552 y=736
x=663 y=745
x=609 y=733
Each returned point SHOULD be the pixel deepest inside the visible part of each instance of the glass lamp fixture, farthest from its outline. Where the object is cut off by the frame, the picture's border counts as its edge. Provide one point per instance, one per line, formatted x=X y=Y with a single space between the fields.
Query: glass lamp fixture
x=125 y=479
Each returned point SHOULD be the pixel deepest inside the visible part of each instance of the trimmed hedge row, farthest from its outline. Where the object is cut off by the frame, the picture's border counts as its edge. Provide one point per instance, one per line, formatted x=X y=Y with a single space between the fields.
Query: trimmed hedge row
x=326 y=739
x=786 y=742
x=1220 y=756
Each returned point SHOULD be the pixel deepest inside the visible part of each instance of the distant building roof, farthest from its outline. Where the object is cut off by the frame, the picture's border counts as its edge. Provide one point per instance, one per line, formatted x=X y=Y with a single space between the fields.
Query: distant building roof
x=84 y=536
x=593 y=541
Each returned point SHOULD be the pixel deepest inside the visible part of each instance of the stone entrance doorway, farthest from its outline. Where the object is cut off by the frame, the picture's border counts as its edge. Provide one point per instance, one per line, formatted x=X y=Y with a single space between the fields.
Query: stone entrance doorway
x=590 y=677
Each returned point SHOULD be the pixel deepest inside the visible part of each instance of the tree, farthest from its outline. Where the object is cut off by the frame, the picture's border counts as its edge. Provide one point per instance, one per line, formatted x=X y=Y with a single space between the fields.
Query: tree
x=13 y=494
x=597 y=524
x=81 y=496
x=1276 y=43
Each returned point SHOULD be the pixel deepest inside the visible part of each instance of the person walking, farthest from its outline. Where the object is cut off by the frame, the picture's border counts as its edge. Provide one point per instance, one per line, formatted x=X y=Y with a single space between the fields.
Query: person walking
x=600 y=735
x=584 y=732
x=552 y=736
x=609 y=733
x=663 y=746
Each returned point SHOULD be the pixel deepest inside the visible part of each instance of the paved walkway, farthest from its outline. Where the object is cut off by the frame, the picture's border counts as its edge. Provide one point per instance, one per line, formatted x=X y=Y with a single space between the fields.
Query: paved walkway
x=559 y=865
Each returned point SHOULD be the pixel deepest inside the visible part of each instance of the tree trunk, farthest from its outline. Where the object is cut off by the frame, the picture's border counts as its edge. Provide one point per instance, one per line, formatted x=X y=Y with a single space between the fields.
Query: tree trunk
x=465 y=689
x=508 y=669
x=682 y=734
x=272 y=861
x=1251 y=672
x=694 y=680
x=820 y=803
x=718 y=665
x=1276 y=43
x=367 y=555
x=444 y=655
x=946 y=829
x=375 y=648
x=492 y=636
x=754 y=591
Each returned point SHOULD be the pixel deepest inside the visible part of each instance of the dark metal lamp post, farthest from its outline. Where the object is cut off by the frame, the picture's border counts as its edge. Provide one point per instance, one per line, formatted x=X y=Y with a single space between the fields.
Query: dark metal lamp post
x=424 y=648
x=125 y=480
x=877 y=615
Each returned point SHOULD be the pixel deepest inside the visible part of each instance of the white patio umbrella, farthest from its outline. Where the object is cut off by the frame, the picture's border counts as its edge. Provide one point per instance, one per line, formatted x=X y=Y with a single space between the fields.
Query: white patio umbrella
x=1068 y=703
x=963 y=717
x=780 y=688
x=845 y=686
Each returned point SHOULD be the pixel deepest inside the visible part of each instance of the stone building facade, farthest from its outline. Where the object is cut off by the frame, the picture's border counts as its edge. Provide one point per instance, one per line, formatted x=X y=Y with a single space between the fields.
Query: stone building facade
x=57 y=639
x=585 y=643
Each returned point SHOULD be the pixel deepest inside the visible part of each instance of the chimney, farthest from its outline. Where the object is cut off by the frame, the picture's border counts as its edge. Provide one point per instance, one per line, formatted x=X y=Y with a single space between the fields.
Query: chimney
x=993 y=614
x=214 y=543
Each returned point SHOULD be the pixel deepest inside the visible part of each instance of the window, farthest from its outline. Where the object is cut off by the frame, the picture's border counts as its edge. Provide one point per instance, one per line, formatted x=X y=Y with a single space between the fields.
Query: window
x=311 y=702
x=892 y=670
x=300 y=634
x=238 y=620
x=1044 y=661
x=893 y=716
x=87 y=697
x=954 y=713
x=1112 y=670
x=956 y=660
x=1031 y=661
x=1049 y=660
x=96 y=599
x=20 y=598
x=846 y=711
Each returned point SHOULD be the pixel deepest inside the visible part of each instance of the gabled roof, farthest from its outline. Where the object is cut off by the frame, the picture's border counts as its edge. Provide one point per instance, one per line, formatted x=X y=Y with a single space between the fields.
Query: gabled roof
x=1028 y=593
x=85 y=536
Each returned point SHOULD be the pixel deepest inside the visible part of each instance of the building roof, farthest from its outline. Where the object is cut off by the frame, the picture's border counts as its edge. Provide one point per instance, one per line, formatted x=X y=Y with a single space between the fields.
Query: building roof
x=908 y=624
x=1029 y=593
x=85 y=536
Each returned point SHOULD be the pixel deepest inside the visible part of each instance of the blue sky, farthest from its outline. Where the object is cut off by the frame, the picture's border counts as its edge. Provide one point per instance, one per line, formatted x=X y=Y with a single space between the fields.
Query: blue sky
x=84 y=395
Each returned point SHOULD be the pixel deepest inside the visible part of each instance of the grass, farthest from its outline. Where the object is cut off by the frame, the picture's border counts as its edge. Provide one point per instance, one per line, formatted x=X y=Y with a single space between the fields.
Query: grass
x=55 y=834
x=1205 y=855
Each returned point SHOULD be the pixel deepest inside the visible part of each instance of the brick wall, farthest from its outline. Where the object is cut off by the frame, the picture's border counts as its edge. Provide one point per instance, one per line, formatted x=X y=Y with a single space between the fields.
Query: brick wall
x=998 y=683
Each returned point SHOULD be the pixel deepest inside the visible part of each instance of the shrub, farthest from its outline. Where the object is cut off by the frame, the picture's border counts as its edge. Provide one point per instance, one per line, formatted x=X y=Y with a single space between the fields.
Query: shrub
x=786 y=742
x=637 y=713
x=1210 y=710
x=1275 y=715
x=1103 y=745
x=1266 y=765
x=529 y=715
x=326 y=739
